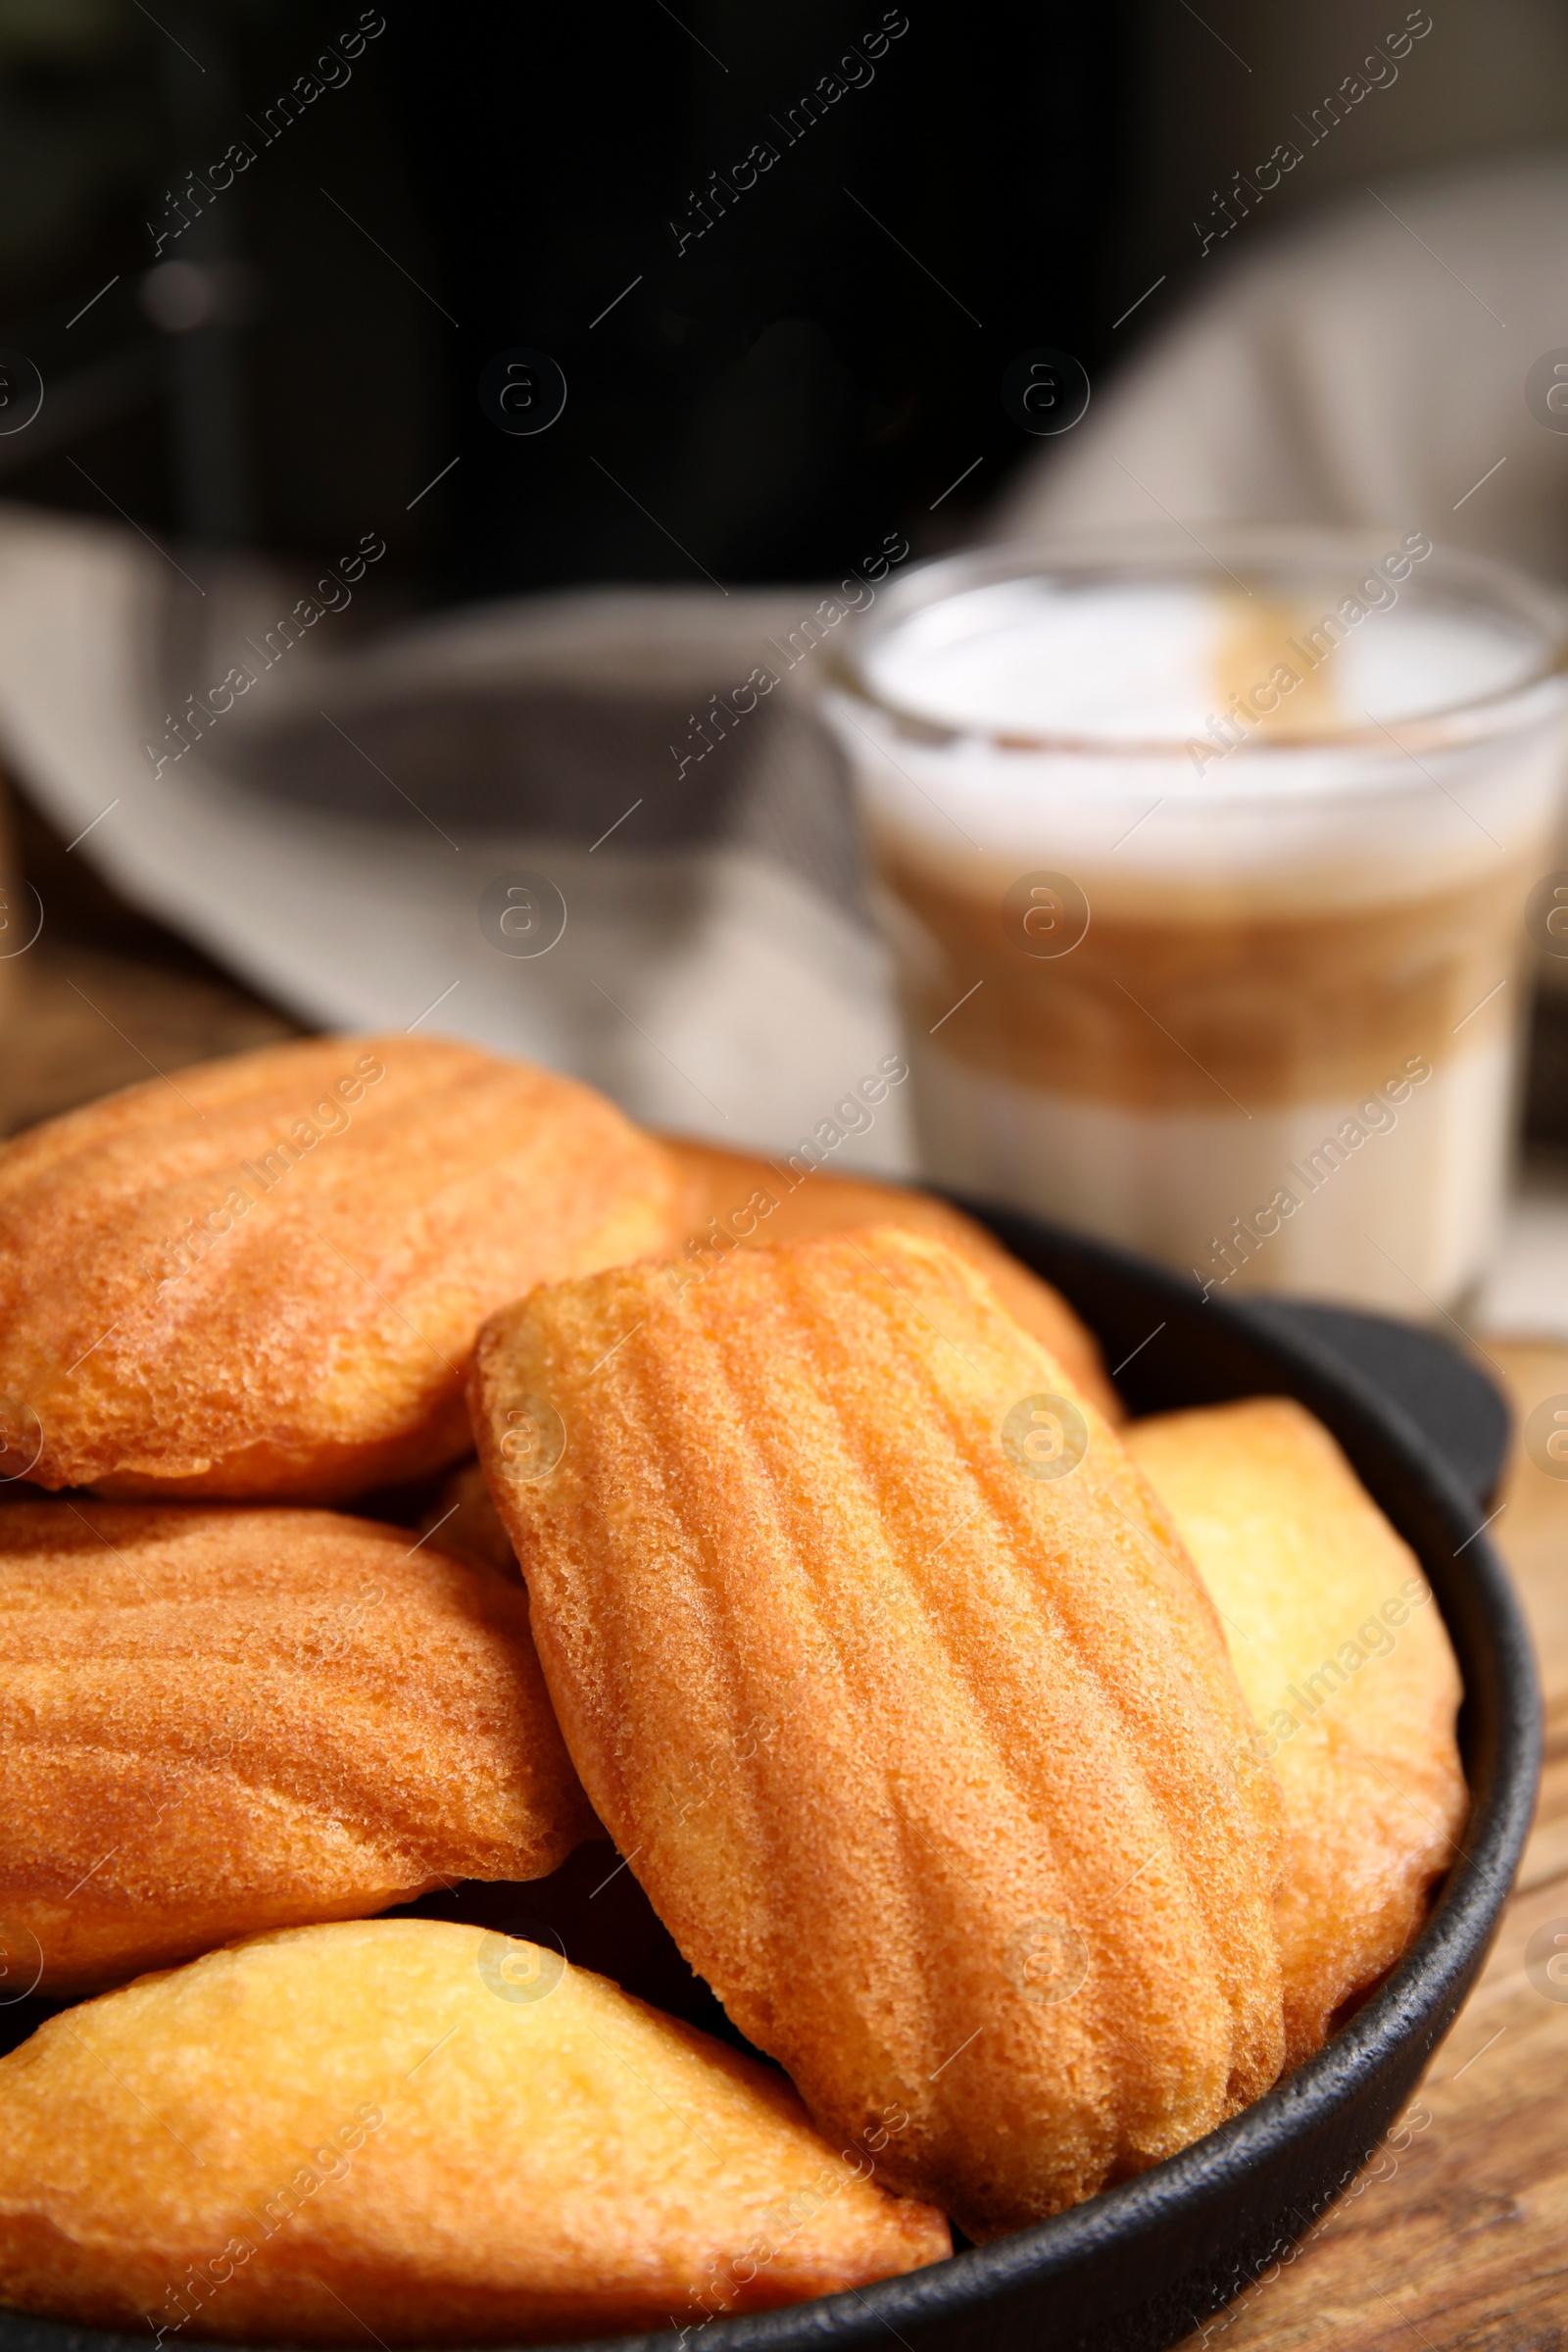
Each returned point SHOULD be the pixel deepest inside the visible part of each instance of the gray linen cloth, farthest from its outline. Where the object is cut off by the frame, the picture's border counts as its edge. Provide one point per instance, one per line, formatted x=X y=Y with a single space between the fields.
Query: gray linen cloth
x=342 y=828
x=343 y=832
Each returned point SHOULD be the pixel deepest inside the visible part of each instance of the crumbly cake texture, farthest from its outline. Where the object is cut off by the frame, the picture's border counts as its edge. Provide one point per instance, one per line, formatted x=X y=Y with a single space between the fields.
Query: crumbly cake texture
x=415 y=2132
x=1337 y=1643
x=261 y=1278
x=911 y=1716
x=749 y=1202
x=216 y=1720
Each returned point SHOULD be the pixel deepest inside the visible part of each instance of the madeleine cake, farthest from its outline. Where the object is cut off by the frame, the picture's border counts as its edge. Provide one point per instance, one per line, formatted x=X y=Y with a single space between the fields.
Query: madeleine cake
x=217 y=1720
x=409 y=2133
x=751 y=1202
x=895 y=1687
x=1339 y=1646
x=467 y=1520
x=262 y=1277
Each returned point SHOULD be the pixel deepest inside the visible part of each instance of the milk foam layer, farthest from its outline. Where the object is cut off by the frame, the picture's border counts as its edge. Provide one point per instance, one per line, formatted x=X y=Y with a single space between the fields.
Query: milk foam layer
x=1282 y=833
x=1151 y=778
x=1140 y=662
x=1402 y=1221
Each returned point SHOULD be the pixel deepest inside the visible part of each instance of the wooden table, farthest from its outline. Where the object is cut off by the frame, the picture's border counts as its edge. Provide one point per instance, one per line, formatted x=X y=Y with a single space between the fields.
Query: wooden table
x=1459 y=2238
x=1462 y=2238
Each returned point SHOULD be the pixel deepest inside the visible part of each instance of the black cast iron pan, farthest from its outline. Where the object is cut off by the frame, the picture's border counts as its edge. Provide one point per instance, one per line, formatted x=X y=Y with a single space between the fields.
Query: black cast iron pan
x=1137 y=2268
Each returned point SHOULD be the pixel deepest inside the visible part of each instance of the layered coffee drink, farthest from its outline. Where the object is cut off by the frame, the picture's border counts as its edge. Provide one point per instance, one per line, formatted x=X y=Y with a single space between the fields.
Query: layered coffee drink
x=1205 y=885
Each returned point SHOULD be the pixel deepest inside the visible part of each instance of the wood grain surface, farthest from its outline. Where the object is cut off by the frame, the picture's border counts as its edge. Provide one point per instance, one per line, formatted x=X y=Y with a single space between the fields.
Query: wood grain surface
x=1459 y=2236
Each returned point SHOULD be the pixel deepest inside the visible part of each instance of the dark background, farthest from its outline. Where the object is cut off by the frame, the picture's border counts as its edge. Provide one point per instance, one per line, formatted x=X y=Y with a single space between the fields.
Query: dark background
x=814 y=371
x=819 y=369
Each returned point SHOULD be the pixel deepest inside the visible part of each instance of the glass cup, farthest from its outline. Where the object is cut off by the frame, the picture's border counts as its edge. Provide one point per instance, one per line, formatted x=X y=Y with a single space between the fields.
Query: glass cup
x=1204 y=872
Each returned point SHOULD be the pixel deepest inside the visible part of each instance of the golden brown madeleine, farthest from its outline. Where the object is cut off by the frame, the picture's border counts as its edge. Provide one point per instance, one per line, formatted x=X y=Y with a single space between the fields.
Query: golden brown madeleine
x=758 y=1202
x=419 y=2133
x=739 y=1198
x=263 y=1278
x=1339 y=1646
x=890 y=1678
x=217 y=1720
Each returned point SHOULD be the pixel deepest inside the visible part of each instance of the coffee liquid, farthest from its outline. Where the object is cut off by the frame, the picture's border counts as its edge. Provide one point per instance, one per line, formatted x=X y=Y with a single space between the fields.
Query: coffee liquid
x=1205 y=904
x=1165 y=1010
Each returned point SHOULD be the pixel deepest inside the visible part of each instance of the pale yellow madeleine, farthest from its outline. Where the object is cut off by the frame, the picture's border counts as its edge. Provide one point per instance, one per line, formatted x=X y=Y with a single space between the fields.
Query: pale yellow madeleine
x=466 y=1517
x=1339 y=1646
x=419 y=2133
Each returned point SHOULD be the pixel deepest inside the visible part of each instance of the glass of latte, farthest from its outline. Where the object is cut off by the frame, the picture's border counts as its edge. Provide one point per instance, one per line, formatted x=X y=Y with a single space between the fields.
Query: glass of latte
x=1204 y=872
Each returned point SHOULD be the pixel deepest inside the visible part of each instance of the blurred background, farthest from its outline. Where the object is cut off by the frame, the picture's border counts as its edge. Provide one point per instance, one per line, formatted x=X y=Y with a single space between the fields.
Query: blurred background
x=803 y=374
x=266 y=257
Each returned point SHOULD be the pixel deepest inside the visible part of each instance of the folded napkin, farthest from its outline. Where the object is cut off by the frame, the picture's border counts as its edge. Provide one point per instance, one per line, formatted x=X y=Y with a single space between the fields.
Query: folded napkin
x=341 y=825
